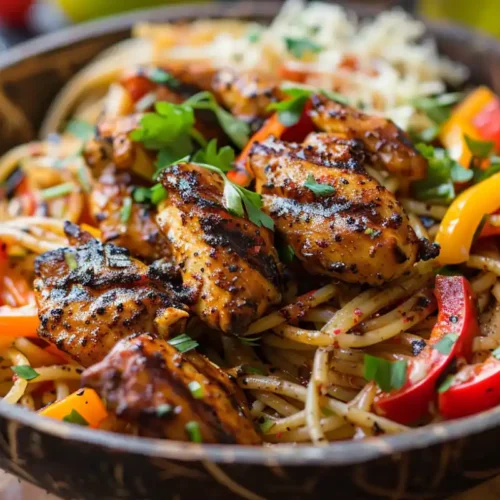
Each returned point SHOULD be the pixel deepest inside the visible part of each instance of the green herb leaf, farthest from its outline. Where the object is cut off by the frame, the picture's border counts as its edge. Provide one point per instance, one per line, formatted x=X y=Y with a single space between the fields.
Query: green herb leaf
x=80 y=129
x=251 y=341
x=290 y=111
x=126 y=210
x=253 y=370
x=478 y=148
x=265 y=424
x=158 y=194
x=57 y=191
x=449 y=271
x=183 y=343
x=141 y=194
x=300 y=46
x=388 y=375
x=254 y=36
x=334 y=96
x=25 y=372
x=481 y=175
x=164 y=410
x=496 y=353
x=317 y=188
x=84 y=179
x=223 y=158
x=70 y=259
x=286 y=253
x=75 y=418
x=159 y=75
x=237 y=130
x=442 y=173
x=196 y=389
x=445 y=345
x=193 y=431
x=232 y=199
x=447 y=383
x=437 y=108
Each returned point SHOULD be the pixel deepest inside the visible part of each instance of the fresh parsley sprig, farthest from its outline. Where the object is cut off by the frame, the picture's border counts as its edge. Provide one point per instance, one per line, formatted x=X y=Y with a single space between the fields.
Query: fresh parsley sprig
x=388 y=375
x=317 y=188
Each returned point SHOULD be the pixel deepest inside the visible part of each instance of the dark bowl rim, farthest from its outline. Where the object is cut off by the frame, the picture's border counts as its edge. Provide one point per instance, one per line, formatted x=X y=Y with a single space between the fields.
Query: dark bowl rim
x=339 y=453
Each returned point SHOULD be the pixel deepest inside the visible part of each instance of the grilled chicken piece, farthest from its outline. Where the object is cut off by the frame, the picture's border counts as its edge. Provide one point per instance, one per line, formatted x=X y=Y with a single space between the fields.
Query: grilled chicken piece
x=245 y=94
x=139 y=233
x=389 y=146
x=92 y=295
x=146 y=380
x=359 y=233
x=228 y=263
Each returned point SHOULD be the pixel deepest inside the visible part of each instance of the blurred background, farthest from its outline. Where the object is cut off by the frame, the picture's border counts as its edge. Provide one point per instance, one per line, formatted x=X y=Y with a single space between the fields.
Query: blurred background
x=22 y=19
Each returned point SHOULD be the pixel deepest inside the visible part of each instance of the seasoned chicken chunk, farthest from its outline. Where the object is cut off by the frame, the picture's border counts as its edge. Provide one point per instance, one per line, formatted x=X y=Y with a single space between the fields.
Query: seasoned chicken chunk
x=351 y=228
x=149 y=382
x=92 y=295
x=389 y=146
x=135 y=229
x=228 y=263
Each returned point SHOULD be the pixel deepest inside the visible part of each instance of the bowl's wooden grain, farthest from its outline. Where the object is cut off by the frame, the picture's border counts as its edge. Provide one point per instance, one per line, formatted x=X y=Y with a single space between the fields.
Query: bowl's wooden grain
x=79 y=463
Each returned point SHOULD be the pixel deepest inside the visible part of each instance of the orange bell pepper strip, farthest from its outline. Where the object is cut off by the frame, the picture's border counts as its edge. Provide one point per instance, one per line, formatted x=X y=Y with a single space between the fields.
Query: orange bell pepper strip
x=85 y=402
x=463 y=217
x=17 y=322
x=272 y=127
x=461 y=123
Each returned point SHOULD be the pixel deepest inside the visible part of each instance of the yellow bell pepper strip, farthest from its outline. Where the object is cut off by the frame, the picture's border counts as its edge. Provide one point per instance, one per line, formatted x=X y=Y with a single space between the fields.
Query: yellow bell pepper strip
x=96 y=233
x=461 y=123
x=83 y=406
x=463 y=217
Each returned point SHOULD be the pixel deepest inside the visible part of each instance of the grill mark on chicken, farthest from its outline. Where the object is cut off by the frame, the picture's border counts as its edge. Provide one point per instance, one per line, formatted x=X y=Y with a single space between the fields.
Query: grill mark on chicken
x=84 y=311
x=358 y=233
x=142 y=374
x=228 y=263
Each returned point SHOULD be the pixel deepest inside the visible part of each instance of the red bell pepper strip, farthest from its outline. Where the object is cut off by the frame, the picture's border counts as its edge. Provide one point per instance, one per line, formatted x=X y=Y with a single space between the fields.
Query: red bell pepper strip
x=474 y=389
x=457 y=316
x=273 y=127
x=487 y=122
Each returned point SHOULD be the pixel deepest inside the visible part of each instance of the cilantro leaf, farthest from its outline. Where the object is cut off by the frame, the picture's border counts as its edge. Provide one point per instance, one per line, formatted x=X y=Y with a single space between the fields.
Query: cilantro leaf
x=388 y=375
x=75 y=418
x=317 y=188
x=158 y=194
x=223 y=158
x=126 y=210
x=478 y=148
x=141 y=195
x=232 y=199
x=300 y=46
x=442 y=173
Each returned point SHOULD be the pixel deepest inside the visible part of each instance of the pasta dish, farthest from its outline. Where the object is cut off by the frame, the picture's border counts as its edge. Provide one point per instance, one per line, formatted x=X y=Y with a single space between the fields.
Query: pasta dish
x=237 y=233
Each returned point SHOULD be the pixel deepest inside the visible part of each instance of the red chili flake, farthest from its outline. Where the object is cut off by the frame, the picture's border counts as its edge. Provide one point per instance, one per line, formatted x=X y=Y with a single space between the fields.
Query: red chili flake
x=278 y=435
x=337 y=331
x=14 y=378
x=358 y=311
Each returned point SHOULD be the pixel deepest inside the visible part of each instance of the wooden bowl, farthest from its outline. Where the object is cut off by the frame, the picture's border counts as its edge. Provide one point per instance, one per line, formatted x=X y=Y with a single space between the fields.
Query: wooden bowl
x=76 y=462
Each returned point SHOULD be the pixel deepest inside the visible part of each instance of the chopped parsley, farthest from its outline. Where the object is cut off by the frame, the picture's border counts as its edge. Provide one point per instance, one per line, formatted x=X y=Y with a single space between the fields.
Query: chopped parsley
x=479 y=149
x=57 y=191
x=286 y=253
x=126 y=210
x=25 y=371
x=196 y=389
x=70 y=259
x=193 y=431
x=164 y=410
x=80 y=129
x=445 y=345
x=388 y=375
x=161 y=76
x=265 y=424
x=74 y=417
x=447 y=383
x=300 y=46
x=141 y=195
x=183 y=343
x=317 y=188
